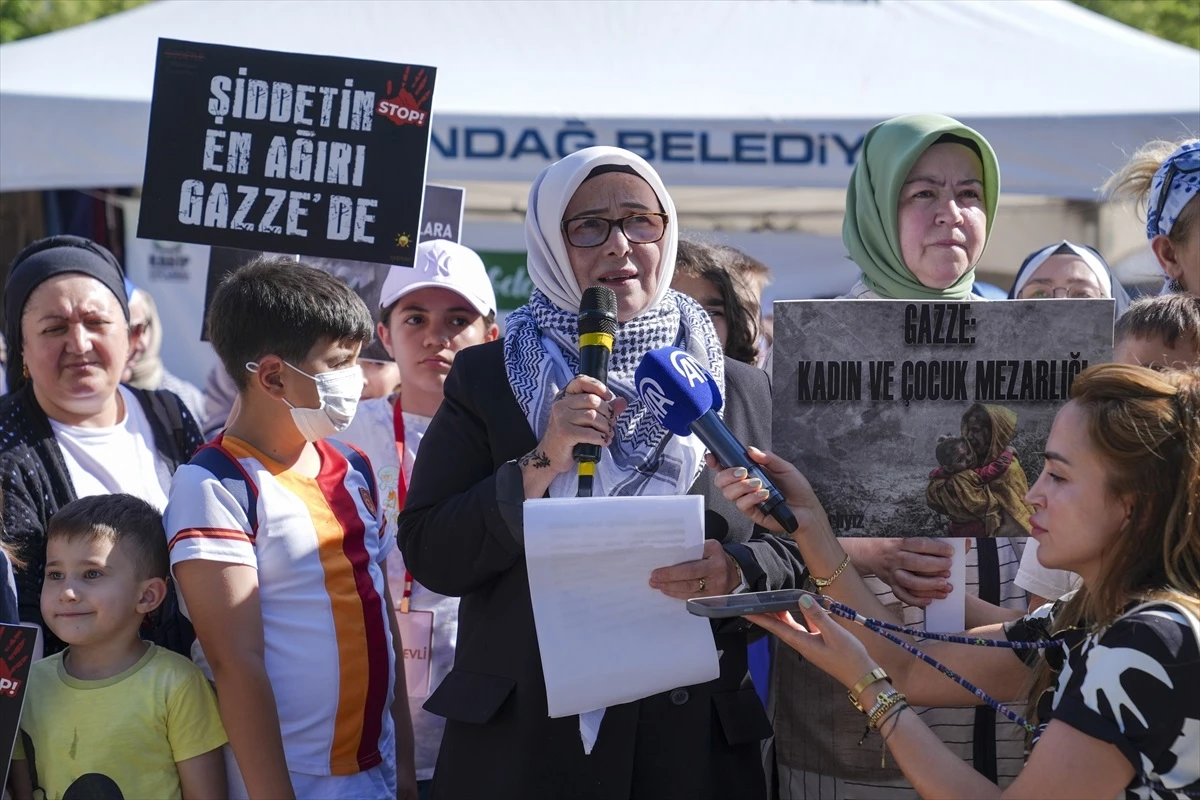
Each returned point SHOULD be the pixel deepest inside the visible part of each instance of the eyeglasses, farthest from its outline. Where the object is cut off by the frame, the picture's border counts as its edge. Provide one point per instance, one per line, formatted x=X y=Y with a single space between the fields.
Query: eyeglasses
x=139 y=328
x=594 y=231
x=1046 y=293
x=1173 y=170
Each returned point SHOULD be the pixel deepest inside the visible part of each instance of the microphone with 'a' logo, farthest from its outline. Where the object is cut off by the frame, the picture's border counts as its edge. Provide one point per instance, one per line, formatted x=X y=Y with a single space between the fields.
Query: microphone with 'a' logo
x=685 y=400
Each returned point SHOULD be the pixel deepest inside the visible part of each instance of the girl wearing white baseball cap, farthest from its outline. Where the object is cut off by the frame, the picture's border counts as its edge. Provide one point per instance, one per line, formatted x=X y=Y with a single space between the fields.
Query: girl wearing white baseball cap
x=429 y=313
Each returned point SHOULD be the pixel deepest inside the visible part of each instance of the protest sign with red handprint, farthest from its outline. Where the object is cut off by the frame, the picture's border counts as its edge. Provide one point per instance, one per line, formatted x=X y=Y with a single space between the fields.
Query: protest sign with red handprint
x=16 y=654
x=408 y=107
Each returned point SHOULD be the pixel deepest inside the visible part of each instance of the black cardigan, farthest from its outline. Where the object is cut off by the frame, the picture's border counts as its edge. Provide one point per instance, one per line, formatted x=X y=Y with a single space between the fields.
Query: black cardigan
x=36 y=482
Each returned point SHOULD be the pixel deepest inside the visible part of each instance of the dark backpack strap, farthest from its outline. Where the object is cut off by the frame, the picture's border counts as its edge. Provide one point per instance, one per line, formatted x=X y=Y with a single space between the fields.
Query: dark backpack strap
x=168 y=626
x=230 y=473
x=162 y=406
x=359 y=463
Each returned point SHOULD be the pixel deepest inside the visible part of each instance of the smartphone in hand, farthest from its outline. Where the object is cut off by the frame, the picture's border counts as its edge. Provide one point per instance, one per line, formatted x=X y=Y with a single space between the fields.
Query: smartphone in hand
x=739 y=605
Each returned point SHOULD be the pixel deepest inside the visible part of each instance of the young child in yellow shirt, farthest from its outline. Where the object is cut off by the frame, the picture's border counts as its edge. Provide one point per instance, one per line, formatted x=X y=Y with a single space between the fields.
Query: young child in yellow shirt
x=113 y=715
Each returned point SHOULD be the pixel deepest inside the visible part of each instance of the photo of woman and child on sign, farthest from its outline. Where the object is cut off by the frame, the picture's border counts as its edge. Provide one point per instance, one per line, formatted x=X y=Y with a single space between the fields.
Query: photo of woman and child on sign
x=979 y=484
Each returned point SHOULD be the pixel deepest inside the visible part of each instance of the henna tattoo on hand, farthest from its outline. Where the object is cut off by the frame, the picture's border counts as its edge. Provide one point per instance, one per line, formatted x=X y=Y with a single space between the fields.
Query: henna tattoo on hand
x=559 y=395
x=534 y=458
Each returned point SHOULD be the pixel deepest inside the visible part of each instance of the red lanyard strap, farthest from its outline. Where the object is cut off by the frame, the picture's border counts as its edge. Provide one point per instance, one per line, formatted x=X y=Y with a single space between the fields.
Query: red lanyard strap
x=401 y=493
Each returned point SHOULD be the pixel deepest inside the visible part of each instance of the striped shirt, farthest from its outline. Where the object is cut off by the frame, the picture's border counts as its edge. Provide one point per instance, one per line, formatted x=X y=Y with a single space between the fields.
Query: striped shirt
x=318 y=549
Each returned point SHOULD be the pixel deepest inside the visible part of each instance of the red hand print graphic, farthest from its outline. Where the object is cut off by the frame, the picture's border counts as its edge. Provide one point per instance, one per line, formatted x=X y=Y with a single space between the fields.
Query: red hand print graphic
x=408 y=106
x=15 y=647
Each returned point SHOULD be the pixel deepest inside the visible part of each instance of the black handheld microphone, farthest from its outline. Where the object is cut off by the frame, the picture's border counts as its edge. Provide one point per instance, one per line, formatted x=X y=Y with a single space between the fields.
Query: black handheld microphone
x=597 y=331
x=685 y=399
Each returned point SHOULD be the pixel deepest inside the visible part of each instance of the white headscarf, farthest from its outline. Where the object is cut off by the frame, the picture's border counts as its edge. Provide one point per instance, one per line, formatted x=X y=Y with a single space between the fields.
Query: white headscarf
x=1108 y=282
x=549 y=264
x=541 y=353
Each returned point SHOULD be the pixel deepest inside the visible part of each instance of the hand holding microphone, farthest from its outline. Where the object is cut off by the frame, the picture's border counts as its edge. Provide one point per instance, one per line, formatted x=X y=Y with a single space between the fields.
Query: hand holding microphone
x=597 y=333
x=685 y=400
x=583 y=414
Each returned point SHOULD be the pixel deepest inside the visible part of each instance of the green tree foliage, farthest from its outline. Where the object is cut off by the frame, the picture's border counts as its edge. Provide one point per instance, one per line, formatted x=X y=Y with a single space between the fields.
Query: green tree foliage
x=20 y=19
x=1174 y=20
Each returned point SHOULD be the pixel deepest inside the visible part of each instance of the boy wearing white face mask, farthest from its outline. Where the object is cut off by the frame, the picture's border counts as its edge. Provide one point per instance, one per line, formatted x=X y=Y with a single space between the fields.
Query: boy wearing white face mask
x=278 y=544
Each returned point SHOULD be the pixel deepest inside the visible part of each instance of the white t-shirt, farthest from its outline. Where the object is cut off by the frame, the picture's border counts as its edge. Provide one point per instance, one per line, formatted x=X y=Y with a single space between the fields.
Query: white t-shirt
x=318 y=551
x=1043 y=581
x=116 y=459
x=430 y=628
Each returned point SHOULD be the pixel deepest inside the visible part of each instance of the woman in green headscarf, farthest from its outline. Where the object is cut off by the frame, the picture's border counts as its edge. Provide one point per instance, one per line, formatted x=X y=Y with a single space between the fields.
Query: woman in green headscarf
x=919 y=209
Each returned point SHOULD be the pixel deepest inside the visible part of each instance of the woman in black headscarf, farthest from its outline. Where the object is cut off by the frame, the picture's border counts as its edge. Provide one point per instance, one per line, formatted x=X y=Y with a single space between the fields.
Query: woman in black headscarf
x=68 y=428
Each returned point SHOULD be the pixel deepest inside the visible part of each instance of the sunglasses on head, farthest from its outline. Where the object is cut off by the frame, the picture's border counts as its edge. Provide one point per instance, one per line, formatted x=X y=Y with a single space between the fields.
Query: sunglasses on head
x=1173 y=170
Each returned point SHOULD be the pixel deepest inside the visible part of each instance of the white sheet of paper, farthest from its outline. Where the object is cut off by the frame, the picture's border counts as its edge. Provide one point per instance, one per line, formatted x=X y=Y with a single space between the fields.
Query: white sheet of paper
x=950 y=615
x=606 y=637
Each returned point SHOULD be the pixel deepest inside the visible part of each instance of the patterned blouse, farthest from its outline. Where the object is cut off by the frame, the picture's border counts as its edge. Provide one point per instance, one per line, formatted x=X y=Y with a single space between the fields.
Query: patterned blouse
x=1134 y=684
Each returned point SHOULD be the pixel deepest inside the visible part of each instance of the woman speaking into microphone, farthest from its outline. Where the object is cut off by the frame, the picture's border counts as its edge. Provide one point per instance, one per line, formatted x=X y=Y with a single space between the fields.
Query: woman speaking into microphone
x=513 y=413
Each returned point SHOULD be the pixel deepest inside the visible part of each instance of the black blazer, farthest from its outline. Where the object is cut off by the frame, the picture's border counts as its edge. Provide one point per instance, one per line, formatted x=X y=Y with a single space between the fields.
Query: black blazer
x=461 y=535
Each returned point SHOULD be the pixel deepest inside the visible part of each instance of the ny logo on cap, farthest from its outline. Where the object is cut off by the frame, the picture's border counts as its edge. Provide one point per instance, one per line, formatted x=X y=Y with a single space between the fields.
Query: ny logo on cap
x=443 y=264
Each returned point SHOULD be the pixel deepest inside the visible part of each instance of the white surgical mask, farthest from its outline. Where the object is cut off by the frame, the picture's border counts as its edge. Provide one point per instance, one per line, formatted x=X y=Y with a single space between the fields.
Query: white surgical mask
x=338 y=391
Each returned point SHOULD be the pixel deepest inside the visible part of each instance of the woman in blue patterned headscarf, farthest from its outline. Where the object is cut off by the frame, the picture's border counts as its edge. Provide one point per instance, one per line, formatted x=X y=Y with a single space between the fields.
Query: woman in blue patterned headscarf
x=1165 y=176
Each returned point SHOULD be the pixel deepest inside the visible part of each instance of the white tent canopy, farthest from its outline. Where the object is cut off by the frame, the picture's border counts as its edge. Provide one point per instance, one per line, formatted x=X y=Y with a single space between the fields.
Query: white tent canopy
x=720 y=93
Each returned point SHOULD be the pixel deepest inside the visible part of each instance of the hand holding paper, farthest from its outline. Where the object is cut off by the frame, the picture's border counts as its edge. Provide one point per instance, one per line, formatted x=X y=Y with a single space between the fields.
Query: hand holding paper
x=714 y=574
x=607 y=637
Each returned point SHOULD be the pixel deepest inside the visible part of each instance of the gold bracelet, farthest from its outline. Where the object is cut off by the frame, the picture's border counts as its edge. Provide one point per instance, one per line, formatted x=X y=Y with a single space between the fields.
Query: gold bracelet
x=886 y=701
x=821 y=583
x=855 y=694
x=884 y=695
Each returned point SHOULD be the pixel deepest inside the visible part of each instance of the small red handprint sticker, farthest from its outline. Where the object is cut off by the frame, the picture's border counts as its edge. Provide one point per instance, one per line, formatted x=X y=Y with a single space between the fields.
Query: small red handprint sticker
x=409 y=106
x=16 y=646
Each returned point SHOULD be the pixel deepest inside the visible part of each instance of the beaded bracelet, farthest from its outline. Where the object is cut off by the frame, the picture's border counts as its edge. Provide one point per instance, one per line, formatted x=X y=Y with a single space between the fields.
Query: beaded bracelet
x=886 y=701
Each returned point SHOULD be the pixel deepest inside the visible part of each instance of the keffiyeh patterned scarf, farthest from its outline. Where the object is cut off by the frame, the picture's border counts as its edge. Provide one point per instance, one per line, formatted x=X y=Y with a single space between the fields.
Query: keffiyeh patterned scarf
x=541 y=356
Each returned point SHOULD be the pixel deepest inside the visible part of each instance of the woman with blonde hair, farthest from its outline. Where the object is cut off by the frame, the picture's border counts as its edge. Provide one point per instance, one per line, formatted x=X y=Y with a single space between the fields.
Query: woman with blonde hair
x=1115 y=683
x=1163 y=179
